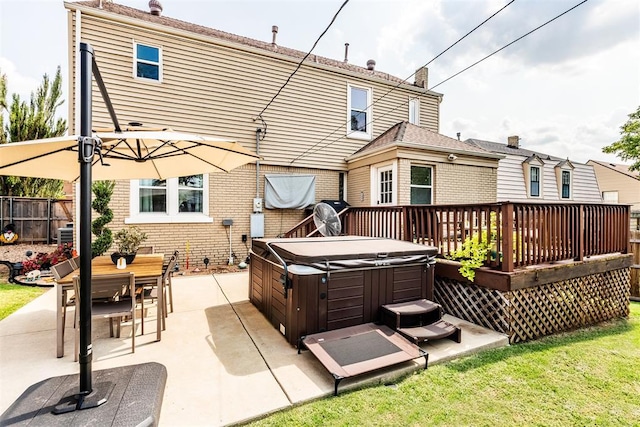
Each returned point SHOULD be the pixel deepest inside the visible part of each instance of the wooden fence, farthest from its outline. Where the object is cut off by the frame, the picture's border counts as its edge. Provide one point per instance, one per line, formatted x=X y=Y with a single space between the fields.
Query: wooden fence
x=520 y=234
x=36 y=220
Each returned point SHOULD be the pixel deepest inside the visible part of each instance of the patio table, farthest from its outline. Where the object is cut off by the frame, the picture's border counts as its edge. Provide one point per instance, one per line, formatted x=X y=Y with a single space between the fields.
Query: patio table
x=145 y=267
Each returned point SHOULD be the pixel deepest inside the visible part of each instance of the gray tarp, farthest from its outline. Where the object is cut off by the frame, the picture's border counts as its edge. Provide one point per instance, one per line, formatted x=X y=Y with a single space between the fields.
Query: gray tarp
x=289 y=191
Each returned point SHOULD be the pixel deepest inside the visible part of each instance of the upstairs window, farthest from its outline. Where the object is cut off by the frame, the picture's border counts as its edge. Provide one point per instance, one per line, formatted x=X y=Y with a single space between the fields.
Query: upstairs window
x=534 y=181
x=421 y=185
x=566 y=184
x=414 y=111
x=359 y=112
x=148 y=62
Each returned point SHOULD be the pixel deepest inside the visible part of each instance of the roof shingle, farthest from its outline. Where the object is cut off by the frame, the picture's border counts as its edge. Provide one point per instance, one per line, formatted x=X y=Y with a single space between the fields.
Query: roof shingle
x=405 y=132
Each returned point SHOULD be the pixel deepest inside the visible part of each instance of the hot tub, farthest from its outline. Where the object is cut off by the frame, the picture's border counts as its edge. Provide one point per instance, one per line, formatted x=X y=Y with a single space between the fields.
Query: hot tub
x=335 y=282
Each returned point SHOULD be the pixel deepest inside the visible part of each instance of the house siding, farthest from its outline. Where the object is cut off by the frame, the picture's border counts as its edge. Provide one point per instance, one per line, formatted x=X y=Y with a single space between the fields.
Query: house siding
x=627 y=187
x=359 y=192
x=512 y=186
x=219 y=90
x=231 y=195
x=455 y=183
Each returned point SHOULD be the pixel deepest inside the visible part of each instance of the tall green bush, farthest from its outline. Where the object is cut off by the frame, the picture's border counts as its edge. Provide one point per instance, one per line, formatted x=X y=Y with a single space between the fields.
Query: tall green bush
x=33 y=120
x=102 y=190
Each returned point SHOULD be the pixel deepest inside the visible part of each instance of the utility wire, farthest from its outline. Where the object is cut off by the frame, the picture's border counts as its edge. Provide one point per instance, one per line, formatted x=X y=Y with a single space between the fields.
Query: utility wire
x=445 y=80
x=303 y=59
x=405 y=80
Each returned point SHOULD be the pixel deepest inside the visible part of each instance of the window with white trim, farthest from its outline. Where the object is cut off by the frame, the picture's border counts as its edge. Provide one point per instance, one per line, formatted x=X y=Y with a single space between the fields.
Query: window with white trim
x=414 y=111
x=147 y=62
x=566 y=185
x=534 y=181
x=421 y=185
x=183 y=199
x=359 y=114
x=385 y=185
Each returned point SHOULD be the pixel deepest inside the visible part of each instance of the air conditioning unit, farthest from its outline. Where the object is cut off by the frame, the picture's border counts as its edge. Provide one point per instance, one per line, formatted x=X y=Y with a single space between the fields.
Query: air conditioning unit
x=65 y=235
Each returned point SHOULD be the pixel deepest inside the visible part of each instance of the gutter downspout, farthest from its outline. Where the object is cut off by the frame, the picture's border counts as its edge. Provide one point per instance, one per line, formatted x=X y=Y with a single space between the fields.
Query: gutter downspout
x=258 y=131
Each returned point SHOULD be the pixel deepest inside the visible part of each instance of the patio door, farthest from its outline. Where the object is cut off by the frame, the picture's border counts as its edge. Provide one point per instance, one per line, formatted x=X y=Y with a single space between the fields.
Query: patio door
x=385 y=185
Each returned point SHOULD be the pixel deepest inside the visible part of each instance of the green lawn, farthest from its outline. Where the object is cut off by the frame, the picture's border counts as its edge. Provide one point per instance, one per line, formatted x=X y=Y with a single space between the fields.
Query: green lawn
x=589 y=377
x=12 y=297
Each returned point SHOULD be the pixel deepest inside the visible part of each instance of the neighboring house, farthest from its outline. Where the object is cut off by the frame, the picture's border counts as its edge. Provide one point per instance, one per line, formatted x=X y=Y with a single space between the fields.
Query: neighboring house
x=168 y=73
x=525 y=175
x=619 y=185
x=412 y=165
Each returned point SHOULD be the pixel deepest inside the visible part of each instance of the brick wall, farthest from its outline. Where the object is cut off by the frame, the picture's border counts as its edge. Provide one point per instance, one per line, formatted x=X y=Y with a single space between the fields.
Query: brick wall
x=230 y=196
x=457 y=183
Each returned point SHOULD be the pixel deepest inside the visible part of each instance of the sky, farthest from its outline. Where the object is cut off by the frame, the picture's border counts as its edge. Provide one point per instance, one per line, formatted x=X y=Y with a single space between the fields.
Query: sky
x=565 y=89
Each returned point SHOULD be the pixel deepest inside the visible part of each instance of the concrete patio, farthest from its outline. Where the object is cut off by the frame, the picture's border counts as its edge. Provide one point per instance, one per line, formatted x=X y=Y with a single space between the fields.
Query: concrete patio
x=219 y=350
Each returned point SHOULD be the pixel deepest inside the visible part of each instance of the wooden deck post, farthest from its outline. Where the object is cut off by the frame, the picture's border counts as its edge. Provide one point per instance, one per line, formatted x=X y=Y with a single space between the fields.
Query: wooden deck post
x=506 y=212
x=579 y=233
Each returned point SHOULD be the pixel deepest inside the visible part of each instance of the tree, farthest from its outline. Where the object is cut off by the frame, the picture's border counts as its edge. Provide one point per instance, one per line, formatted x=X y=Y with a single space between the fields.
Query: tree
x=35 y=120
x=628 y=146
x=103 y=190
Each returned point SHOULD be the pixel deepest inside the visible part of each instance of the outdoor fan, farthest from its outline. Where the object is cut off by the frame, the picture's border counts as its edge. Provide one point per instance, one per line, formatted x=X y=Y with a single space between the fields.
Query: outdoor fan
x=326 y=220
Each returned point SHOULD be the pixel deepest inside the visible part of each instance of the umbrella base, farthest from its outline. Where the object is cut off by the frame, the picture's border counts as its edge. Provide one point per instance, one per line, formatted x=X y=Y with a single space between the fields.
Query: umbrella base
x=99 y=396
x=124 y=396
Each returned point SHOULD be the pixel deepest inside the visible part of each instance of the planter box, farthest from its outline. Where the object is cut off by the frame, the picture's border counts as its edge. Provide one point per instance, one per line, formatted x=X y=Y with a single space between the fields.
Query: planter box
x=534 y=302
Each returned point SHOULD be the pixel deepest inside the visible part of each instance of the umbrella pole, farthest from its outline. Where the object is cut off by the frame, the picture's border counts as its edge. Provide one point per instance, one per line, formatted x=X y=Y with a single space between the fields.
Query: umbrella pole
x=88 y=397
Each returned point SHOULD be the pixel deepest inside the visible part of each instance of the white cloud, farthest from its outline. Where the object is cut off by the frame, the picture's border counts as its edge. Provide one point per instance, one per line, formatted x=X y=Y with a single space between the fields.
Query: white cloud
x=16 y=82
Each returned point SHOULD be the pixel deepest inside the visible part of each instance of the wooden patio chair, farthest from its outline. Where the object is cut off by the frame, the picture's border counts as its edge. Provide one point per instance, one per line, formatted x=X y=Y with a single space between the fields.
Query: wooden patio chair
x=59 y=271
x=111 y=298
x=147 y=290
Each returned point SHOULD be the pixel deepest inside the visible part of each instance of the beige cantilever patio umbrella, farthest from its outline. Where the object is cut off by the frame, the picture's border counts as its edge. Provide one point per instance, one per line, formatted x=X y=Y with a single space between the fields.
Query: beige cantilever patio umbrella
x=134 y=153
x=121 y=154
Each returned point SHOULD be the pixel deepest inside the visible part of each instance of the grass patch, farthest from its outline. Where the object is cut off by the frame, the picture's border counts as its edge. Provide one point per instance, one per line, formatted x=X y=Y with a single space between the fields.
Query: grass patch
x=586 y=377
x=12 y=297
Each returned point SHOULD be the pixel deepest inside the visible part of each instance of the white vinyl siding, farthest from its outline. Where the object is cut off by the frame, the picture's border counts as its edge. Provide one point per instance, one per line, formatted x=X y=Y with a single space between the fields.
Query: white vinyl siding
x=211 y=89
x=512 y=185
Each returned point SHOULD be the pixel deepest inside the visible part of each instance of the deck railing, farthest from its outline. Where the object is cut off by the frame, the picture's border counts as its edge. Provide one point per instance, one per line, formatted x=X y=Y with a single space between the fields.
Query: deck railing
x=520 y=234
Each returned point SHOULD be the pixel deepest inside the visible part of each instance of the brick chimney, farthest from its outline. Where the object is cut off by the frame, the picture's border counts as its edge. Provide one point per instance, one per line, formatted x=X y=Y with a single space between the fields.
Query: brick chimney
x=513 y=141
x=422 y=77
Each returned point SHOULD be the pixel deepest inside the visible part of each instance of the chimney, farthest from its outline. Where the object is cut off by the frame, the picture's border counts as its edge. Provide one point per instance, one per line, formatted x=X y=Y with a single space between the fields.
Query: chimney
x=422 y=77
x=371 y=65
x=274 y=31
x=513 y=141
x=346 y=53
x=155 y=7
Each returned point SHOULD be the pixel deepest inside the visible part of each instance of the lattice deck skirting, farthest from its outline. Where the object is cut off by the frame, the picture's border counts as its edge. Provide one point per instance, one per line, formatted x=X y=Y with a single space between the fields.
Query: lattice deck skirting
x=530 y=313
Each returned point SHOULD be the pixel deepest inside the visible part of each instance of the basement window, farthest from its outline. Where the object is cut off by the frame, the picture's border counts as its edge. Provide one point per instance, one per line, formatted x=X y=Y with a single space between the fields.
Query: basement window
x=148 y=62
